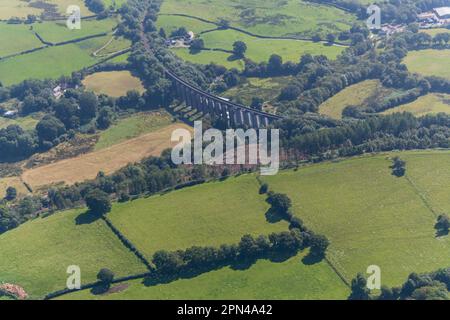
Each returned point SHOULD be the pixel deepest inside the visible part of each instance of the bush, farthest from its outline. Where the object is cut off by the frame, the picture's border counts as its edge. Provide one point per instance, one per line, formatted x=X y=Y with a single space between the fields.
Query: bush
x=105 y=276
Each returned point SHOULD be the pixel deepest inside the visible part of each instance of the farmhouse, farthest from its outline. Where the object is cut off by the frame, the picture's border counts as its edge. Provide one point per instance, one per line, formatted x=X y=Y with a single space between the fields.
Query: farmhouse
x=442 y=12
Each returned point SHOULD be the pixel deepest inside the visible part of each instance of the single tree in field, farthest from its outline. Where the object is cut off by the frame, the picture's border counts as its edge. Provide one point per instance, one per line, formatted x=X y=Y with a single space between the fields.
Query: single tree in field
x=98 y=202
x=11 y=193
x=105 y=277
x=443 y=224
x=398 y=167
x=197 y=45
x=239 y=48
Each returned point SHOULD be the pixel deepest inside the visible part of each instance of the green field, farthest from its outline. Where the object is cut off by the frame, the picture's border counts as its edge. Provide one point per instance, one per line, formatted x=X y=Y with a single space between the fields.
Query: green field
x=266 y=88
x=261 y=49
x=36 y=255
x=264 y=280
x=18 y=8
x=16 y=38
x=354 y=95
x=289 y=17
x=372 y=217
x=113 y=83
x=133 y=126
x=212 y=214
x=205 y=57
x=58 y=32
x=171 y=23
x=27 y=123
x=430 y=104
x=51 y=62
x=429 y=62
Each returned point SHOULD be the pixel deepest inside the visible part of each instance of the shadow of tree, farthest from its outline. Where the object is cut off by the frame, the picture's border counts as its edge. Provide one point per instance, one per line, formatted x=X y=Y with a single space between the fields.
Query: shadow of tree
x=239 y=265
x=441 y=232
x=234 y=57
x=194 y=51
x=100 y=288
x=87 y=217
x=312 y=259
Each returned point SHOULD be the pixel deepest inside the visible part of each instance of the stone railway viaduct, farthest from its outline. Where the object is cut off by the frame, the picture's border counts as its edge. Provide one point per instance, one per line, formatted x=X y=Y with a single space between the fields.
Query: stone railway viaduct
x=235 y=114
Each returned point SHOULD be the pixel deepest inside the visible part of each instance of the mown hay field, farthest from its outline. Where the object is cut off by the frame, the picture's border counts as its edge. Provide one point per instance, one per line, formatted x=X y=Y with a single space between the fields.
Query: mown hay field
x=113 y=83
x=51 y=62
x=430 y=104
x=132 y=127
x=108 y=160
x=354 y=95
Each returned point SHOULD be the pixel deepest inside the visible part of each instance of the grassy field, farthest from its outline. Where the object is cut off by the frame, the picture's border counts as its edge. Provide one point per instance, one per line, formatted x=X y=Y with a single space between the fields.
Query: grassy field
x=212 y=214
x=429 y=62
x=261 y=49
x=36 y=255
x=123 y=58
x=113 y=45
x=132 y=127
x=430 y=104
x=16 y=38
x=58 y=32
x=354 y=95
x=205 y=57
x=171 y=23
x=108 y=160
x=370 y=216
x=27 y=123
x=268 y=89
x=113 y=83
x=266 y=17
x=428 y=171
x=51 y=62
x=264 y=280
